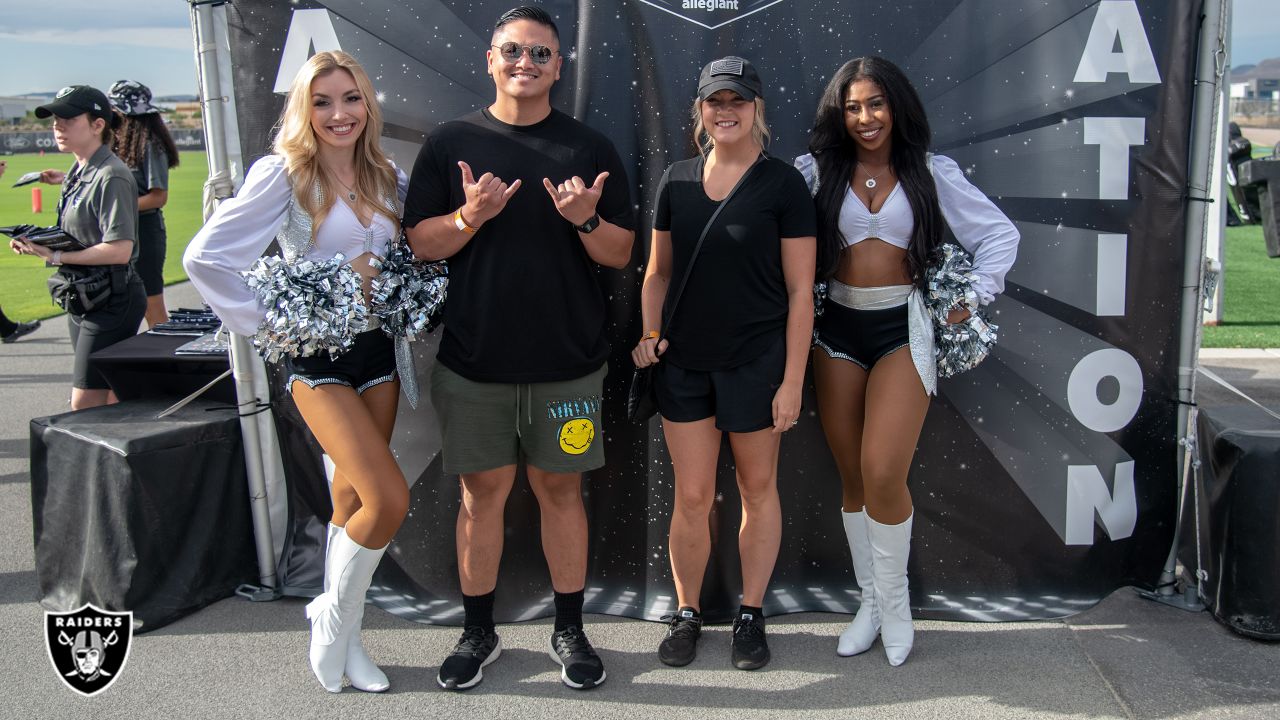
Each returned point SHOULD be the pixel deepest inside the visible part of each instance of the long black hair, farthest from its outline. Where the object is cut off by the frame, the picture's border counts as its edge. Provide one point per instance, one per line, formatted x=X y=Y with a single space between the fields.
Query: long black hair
x=135 y=132
x=836 y=154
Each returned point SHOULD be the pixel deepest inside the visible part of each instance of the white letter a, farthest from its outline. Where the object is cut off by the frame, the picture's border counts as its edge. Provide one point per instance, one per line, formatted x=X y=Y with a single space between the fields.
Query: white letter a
x=1117 y=19
x=307 y=29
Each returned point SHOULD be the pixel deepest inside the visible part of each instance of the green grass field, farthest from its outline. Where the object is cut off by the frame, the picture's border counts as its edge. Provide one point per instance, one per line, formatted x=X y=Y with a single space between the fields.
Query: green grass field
x=22 y=278
x=1251 y=304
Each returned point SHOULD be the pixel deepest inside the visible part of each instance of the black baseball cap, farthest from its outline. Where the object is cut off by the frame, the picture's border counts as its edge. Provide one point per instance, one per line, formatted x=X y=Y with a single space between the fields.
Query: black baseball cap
x=77 y=100
x=730 y=73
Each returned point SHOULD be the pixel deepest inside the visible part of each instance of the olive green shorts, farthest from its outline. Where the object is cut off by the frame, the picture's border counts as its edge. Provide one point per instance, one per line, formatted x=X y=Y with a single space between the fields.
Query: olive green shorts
x=555 y=426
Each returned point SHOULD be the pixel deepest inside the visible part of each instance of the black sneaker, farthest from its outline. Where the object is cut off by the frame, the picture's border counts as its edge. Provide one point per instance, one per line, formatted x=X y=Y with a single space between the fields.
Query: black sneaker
x=580 y=666
x=750 y=650
x=463 y=668
x=20 y=329
x=680 y=646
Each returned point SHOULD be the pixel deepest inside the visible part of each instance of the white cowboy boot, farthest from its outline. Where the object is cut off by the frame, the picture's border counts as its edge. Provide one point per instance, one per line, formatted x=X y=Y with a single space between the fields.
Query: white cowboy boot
x=360 y=669
x=865 y=626
x=348 y=570
x=890 y=545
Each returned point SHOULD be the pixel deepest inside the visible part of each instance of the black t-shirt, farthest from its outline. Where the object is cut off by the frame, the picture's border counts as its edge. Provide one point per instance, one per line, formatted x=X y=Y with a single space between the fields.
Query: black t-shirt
x=736 y=298
x=524 y=304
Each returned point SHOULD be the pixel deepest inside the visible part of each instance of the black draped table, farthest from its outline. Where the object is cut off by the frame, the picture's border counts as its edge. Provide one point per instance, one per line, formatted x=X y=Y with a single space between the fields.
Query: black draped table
x=132 y=512
x=1232 y=534
x=144 y=366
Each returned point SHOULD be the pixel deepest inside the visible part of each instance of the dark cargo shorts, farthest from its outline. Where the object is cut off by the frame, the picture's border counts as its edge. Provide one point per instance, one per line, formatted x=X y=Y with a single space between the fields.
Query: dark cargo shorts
x=555 y=426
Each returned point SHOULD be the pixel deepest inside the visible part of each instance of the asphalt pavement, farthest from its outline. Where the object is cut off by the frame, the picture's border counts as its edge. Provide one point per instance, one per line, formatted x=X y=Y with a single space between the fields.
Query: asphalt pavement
x=1125 y=658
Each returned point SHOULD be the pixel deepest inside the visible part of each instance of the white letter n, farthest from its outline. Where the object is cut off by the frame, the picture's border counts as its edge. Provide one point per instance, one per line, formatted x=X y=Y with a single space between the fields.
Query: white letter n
x=1087 y=494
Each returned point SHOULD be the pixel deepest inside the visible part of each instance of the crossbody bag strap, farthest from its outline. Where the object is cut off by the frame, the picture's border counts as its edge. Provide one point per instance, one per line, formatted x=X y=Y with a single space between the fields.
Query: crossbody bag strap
x=675 y=301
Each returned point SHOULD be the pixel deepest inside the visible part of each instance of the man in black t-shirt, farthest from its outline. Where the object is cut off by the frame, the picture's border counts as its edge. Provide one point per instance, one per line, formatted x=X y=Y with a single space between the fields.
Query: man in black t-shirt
x=522 y=359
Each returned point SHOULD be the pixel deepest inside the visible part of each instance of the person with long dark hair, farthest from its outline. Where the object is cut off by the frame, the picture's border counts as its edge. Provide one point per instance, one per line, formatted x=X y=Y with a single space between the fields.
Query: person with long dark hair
x=328 y=191
x=98 y=206
x=144 y=144
x=883 y=202
x=731 y=358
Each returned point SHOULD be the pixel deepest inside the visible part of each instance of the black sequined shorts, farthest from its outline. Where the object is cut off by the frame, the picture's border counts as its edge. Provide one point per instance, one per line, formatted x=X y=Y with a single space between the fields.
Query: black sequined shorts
x=370 y=362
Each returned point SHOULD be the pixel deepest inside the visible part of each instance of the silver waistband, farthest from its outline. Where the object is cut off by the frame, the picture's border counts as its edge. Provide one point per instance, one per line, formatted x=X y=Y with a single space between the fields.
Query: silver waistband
x=868 y=298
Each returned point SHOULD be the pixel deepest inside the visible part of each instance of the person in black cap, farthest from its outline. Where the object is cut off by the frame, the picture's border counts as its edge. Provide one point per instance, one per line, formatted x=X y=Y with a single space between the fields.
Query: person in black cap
x=731 y=353
x=97 y=287
x=144 y=144
x=524 y=327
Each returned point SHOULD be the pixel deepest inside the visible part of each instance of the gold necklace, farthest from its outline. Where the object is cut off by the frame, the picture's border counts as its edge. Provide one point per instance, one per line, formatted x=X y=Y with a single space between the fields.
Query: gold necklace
x=871 y=181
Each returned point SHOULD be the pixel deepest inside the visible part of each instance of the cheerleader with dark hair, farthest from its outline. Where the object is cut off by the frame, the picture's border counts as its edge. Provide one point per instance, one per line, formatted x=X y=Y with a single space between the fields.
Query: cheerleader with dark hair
x=882 y=200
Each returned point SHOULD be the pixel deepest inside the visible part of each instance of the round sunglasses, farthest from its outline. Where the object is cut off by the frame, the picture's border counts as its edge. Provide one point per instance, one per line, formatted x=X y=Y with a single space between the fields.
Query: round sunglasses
x=512 y=51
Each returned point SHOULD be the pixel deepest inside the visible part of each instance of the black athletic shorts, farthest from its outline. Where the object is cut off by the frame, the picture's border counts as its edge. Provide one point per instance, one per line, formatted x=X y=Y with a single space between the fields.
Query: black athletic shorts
x=103 y=327
x=371 y=361
x=740 y=398
x=151 y=251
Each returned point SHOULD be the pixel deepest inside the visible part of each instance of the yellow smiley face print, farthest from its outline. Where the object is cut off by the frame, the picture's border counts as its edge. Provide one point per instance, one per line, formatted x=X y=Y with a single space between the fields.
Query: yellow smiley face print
x=576 y=435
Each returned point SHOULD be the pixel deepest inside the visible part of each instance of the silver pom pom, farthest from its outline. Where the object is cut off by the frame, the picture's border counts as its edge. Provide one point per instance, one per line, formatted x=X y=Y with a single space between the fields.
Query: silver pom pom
x=407 y=295
x=819 y=296
x=312 y=306
x=964 y=345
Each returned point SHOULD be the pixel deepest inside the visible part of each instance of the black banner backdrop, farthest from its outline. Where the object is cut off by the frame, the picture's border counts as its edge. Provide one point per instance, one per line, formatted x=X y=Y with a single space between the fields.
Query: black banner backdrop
x=1044 y=479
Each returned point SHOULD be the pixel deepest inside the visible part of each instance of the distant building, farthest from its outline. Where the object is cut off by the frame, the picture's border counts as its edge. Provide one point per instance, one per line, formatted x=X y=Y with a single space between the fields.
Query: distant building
x=1259 y=88
x=14 y=109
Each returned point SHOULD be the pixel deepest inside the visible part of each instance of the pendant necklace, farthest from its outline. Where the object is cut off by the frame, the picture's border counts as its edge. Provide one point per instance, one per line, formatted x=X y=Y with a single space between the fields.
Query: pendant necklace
x=871 y=181
x=351 y=194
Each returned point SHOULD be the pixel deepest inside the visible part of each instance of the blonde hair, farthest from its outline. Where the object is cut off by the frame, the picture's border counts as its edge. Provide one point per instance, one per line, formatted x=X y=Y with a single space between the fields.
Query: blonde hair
x=702 y=139
x=296 y=142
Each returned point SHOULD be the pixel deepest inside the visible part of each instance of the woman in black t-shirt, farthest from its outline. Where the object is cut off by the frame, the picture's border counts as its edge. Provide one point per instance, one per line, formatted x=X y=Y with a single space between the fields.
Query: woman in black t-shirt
x=733 y=351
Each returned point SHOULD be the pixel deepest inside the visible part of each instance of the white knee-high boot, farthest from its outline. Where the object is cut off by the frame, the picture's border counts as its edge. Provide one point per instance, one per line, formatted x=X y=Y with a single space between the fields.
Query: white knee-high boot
x=891 y=545
x=348 y=570
x=361 y=670
x=865 y=626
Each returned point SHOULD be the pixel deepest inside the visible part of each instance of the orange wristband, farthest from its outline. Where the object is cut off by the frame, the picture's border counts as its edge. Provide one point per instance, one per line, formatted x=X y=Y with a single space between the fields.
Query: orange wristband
x=461 y=224
x=652 y=334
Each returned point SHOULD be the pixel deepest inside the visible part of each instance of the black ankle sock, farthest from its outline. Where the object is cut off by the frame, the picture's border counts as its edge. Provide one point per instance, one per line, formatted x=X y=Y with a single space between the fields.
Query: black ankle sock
x=754 y=612
x=568 y=609
x=478 y=610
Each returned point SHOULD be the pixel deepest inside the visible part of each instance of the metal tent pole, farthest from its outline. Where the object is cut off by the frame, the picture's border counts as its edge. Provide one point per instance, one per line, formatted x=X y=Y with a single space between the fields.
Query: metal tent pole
x=1211 y=65
x=244 y=362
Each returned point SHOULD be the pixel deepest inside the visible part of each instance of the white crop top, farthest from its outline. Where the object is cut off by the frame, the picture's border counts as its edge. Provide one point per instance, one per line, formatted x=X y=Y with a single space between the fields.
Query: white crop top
x=979 y=226
x=242 y=228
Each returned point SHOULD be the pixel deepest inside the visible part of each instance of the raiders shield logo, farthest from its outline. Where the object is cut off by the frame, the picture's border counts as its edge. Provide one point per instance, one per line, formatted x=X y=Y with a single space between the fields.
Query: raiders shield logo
x=88 y=647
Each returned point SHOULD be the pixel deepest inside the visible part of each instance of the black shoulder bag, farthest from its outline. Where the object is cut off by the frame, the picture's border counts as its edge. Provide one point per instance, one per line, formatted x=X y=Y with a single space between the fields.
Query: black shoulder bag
x=641 y=403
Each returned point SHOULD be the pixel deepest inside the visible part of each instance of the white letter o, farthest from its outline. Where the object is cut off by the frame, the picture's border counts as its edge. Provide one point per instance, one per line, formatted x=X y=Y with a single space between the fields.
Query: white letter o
x=1082 y=389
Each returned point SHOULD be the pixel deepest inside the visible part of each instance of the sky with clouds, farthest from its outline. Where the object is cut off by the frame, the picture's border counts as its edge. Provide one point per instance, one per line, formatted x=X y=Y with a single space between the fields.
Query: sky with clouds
x=48 y=44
